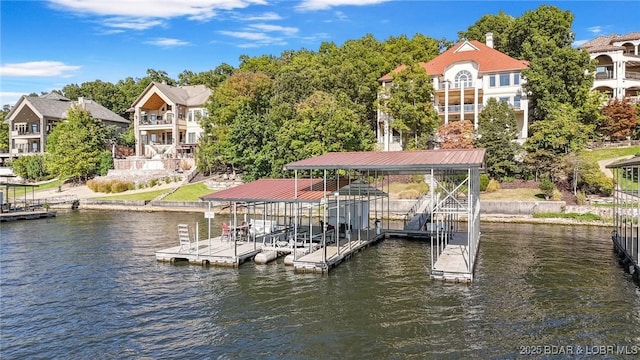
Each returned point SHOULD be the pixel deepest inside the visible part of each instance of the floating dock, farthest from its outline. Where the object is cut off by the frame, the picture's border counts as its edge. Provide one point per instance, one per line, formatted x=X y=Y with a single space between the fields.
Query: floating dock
x=213 y=251
x=328 y=257
x=453 y=262
x=26 y=215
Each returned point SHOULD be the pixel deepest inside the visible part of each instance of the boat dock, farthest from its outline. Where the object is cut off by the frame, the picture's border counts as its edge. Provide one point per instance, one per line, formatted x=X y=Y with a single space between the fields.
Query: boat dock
x=26 y=215
x=453 y=262
x=626 y=233
x=215 y=251
x=328 y=257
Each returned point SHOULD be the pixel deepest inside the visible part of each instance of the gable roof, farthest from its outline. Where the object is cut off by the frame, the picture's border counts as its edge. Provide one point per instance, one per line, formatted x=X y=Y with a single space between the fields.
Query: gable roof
x=488 y=60
x=56 y=106
x=192 y=95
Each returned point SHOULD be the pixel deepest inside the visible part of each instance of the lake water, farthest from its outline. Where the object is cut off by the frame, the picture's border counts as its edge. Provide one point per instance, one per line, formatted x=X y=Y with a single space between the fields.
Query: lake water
x=86 y=285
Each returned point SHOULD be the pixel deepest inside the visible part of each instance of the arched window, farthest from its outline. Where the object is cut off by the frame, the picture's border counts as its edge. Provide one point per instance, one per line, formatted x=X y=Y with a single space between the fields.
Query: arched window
x=463 y=78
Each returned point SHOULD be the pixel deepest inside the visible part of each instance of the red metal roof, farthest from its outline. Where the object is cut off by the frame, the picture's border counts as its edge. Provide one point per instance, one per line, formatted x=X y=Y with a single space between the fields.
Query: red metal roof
x=488 y=60
x=395 y=161
x=276 y=190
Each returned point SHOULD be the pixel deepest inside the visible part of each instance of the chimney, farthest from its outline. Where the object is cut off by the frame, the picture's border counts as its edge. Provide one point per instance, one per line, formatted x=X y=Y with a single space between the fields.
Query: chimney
x=489 y=39
x=81 y=102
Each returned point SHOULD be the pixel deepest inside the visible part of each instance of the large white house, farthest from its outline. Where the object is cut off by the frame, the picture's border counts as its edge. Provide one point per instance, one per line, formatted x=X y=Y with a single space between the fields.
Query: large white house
x=465 y=77
x=166 y=119
x=618 y=68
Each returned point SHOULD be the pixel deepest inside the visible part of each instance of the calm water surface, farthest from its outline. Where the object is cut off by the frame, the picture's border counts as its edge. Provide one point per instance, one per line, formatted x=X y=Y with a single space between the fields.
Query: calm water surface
x=87 y=285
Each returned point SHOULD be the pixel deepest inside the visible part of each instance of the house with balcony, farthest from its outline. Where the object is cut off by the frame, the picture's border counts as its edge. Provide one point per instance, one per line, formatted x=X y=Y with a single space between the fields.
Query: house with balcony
x=464 y=78
x=618 y=65
x=166 y=120
x=33 y=118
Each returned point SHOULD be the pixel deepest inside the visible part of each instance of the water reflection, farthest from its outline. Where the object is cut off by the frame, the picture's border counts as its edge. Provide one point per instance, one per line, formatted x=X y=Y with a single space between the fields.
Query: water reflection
x=86 y=284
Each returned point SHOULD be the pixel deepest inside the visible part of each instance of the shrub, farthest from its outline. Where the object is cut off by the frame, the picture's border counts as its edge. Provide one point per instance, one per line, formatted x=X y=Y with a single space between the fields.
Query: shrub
x=547 y=187
x=109 y=186
x=30 y=167
x=493 y=185
x=484 y=181
x=118 y=186
x=556 y=195
x=153 y=182
x=167 y=180
x=593 y=181
x=106 y=163
x=581 y=198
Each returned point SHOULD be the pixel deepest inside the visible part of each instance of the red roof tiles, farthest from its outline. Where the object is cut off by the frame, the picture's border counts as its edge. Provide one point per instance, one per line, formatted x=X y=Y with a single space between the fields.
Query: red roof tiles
x=488 y=60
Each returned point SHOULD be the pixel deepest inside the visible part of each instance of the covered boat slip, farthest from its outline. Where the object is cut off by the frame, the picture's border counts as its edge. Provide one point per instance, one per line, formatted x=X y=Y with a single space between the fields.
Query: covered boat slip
x=337 y=204
x=316 y=221
x=454 y=197
x=626 y=235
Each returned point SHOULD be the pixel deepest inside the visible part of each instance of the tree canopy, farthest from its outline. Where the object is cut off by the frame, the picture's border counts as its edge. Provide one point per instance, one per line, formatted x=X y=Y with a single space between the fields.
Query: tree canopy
x=75 y=145
x=497 y=132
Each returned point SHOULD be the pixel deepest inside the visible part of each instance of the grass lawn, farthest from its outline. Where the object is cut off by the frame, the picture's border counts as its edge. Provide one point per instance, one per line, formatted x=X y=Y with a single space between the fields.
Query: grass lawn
x=602 y=154
x=191 y=192
x=513 y=195
x=147 y=195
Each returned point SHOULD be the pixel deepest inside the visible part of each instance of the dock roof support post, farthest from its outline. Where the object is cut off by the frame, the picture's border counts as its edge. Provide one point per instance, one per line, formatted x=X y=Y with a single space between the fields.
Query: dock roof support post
x=295 y=221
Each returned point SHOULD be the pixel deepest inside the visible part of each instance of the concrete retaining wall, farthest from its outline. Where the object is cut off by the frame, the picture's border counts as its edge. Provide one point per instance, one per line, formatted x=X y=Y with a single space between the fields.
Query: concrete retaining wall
x=114 y=202
x=520 y=207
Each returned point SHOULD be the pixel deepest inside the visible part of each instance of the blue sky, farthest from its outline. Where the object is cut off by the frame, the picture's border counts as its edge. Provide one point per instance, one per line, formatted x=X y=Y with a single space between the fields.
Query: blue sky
x=45 y=45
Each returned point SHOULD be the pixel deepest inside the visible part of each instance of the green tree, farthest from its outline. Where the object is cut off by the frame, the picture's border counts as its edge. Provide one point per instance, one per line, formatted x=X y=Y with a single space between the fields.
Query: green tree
x=323 y=123
x=548 y=22
x=75 y=145
x=560 y=134
x=558 y=76
x=499 y=25
x=4 y=129
x=497 y=133
x=30 y=168
x=408 y=101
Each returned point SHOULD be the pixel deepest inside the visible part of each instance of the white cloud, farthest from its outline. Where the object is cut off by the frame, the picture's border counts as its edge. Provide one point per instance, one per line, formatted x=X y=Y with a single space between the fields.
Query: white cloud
x=595 y=30
x=144 y=14
x=37 y=68
x=275 y=28
x=131 y=23
x=311 y=5
x=166 y=42
x=268 y=16
x=246 y=35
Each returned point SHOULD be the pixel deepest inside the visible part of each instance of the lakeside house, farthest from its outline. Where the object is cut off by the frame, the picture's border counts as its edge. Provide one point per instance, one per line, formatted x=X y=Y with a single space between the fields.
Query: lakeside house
x=464 y=78
x=618 y=65
x=33 y=118
x=166 y=120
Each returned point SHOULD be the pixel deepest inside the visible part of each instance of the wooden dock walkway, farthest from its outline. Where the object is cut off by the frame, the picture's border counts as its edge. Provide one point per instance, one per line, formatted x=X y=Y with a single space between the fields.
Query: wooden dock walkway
x=211 y=252
x=326 y=258
x=26 y=215
x=452 y=264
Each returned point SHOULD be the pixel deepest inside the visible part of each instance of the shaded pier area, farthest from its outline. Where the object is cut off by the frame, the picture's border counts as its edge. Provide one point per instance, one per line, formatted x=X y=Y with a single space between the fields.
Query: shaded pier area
x=449 y=215
x=626 y=234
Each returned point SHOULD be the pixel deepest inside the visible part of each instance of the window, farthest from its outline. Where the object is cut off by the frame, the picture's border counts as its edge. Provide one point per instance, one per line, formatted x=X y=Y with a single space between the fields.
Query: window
x=516 y=79
x=191 y=138
x=154 y=138
x=492 y=81
x=504 y=79
x=463 y=79
x=34 y=128
x=504 y=99
x=516 y=102
x=190 y=116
